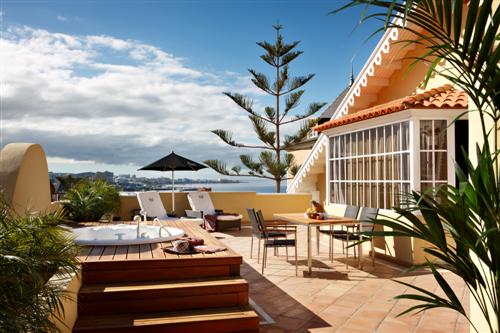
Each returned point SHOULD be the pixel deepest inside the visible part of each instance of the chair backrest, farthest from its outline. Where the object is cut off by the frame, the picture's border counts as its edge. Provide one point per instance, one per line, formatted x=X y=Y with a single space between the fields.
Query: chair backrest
x=366 y=218
x=151 y=204
x=256 y=229
x=201 y=202
x=351 y=211
x=260 y=218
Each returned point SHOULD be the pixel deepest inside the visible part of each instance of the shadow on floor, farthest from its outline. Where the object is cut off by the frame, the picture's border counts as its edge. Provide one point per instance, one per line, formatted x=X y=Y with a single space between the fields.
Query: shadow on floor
x=288 y=313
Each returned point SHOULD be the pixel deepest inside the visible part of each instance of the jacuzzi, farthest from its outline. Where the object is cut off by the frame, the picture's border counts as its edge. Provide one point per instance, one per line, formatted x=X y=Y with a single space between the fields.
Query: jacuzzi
x=124 y=234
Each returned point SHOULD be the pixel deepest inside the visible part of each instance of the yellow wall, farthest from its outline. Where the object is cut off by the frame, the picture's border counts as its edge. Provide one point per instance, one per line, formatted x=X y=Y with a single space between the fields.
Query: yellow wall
x=230 y=202
x=321 y=186
x=69 y=305
x=24 y=177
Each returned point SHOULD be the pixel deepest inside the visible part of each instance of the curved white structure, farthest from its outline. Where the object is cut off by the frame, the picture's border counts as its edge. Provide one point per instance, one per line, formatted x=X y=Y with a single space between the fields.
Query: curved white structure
x=124 y=234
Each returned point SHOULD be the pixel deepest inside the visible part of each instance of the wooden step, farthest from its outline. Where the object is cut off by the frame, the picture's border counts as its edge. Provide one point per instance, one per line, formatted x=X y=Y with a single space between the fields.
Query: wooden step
x=160 y=269
x=234 y=319
x=117 y=298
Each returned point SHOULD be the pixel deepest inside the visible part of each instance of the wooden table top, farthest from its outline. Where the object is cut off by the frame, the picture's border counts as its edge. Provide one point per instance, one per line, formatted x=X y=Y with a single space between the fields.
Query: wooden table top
x=300 y=218
x=154 y=250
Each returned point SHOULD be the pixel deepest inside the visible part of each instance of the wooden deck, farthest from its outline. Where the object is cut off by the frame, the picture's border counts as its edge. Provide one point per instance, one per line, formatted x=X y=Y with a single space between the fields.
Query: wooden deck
x=141 y=288
x=153 y=251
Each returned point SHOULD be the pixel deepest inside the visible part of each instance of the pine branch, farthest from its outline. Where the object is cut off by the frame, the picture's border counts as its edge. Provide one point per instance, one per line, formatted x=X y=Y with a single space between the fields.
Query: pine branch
x=301 y=133
x=285 y=49
x=282 y=81
x=220 y=167
x=275 y=168
x=227 y=137
x=266 y=136
x=260 y=80
x=313 y=108
x=289 y=57
x=294 y=170
x=297 y=82
x=271 y=113
x=244 y=102
x=254 y=167
x=291 y=102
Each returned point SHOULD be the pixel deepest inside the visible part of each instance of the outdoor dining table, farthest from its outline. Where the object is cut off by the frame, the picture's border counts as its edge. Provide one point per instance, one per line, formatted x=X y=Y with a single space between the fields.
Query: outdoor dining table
x=302 y=219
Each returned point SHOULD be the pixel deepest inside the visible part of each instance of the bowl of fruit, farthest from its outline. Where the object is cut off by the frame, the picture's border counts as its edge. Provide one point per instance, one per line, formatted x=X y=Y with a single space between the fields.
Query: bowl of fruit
x=316 y=212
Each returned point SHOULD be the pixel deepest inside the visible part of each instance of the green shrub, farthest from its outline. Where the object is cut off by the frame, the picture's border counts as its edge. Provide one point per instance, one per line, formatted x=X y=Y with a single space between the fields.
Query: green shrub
x=91 y=200
x=32 y=250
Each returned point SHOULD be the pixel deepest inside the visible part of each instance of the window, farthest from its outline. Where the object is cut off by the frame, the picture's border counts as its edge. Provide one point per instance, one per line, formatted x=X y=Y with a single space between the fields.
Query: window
x=433 y=154
x=371 y=167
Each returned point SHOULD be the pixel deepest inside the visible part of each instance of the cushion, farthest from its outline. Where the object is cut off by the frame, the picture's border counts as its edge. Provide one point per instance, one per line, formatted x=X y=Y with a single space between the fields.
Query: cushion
x=229 y=217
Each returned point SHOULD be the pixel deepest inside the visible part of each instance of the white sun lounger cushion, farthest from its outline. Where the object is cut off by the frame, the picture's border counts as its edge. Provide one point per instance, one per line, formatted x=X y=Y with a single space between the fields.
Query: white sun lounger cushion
x=229 y=217
x=150 y=203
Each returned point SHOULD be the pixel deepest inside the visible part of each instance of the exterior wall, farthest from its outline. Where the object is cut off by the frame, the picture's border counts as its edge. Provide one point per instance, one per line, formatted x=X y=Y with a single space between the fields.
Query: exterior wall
x=24 y=177
x=69 y=305
x=231 y=202
x=321 y=186
x=300 y=157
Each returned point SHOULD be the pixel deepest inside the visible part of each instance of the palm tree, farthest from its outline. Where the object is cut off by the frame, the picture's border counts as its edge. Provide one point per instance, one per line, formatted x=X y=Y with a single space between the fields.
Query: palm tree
x=32 y=250
x=463 y=35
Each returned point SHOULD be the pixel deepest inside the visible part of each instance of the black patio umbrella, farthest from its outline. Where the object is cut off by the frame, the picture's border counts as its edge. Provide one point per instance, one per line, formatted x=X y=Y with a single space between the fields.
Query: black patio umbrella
x=173 y=162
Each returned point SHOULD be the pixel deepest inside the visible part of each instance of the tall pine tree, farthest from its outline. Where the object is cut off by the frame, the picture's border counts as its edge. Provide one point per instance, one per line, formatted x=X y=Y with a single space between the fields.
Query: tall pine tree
x=273 y=163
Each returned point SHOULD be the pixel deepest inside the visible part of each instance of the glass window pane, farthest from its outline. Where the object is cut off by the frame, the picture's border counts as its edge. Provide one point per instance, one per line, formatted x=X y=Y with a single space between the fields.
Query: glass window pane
x=332 y=147
x=396 y=137
x=366 y=141
x=336 y=147
x=366 y=175
x=342 y=146
x=354 y=141
x=380 y=140
x=348 y=145
x=380 y=167
x=342 y=170
x=373 y=199
x=360 y=143
x=381 y=196
x=373 y=168
x=405 y=128
x=388 y=139
x=373 y=141
x=333 y=191
x=388 y=196
x=441 y=170
x=440 y=134
x=361 y=197
x=388 y=167
x=397 y=195
x=348 y=193
x=425 y=134
x=360 y=169
x=426 y=166
x=397 y=167
x=425 y=187
x=406 y=167
x=348 y=169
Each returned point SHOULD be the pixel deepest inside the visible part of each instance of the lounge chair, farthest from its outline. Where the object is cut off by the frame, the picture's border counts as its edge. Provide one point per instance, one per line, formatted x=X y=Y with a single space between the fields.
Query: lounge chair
x=201 y=205
x=152 y=207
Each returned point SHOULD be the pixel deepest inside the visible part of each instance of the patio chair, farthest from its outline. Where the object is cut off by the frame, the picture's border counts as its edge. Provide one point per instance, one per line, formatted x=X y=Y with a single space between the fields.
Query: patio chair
x=365 y=224
x=151 y=205
x=202 y=205
x=271 y=239
x=351 y=211
x=275 y=230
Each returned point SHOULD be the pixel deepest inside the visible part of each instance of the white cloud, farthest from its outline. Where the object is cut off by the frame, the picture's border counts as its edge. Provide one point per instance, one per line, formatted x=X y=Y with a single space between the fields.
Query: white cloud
x=62 y=160
x=113 y=101
x=62 y=18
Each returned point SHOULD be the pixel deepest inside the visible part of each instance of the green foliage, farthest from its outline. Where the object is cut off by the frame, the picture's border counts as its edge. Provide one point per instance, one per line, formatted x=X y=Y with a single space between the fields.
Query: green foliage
x=32 y=250
x=469 y=214
x=91 y=200
x=267 y=125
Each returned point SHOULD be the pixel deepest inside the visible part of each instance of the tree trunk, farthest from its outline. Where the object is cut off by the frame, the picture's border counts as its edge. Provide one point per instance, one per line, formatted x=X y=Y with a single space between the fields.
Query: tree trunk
x=278 y=185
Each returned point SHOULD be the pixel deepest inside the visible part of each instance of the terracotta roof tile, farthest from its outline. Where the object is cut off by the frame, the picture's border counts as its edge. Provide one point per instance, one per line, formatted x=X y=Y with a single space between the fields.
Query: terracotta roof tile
x=444 y=97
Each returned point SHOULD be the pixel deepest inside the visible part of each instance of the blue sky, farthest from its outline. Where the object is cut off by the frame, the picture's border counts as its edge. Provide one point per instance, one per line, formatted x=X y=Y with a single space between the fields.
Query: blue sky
x=209 y=44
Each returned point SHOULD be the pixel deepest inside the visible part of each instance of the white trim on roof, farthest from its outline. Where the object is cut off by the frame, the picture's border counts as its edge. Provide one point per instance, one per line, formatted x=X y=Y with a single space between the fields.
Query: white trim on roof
x=313 y=156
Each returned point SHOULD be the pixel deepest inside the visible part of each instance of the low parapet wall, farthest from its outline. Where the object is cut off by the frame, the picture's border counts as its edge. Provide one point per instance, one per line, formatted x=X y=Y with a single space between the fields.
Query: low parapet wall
x=231 y=202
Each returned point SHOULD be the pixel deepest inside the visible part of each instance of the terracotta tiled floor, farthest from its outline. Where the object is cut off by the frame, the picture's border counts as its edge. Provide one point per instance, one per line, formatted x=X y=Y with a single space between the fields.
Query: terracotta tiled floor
x=339 y=299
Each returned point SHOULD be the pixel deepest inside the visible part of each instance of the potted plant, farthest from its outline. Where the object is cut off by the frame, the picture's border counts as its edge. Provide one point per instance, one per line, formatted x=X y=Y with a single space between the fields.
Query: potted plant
x=91 y=200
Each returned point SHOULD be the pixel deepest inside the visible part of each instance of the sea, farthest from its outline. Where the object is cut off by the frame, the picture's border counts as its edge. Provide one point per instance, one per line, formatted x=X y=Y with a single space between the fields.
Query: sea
x=259 y=187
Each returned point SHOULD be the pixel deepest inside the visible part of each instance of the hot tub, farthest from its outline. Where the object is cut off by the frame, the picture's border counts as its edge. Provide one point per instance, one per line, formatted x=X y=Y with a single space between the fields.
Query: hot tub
x=124 y=234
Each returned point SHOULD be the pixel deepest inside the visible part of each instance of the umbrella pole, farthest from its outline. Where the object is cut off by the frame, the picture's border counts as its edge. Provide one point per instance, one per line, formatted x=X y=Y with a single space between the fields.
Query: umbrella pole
x=173 y=192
